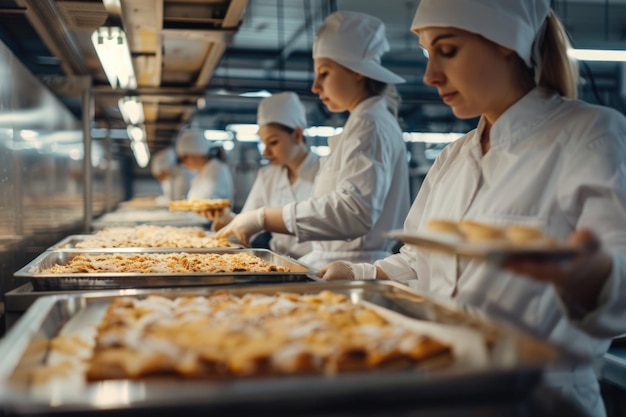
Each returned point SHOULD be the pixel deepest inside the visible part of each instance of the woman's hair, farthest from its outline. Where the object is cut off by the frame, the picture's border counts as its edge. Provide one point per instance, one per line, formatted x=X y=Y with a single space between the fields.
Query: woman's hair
x=389 y=91
x=217 y=152
x=558 y=71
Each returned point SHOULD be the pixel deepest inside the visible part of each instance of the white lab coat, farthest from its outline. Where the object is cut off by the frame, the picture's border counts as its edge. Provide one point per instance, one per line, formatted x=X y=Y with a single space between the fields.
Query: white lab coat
x=213 y=181
x=175 y=187
x=361 y=190
x=273 y=189
x=556 y=164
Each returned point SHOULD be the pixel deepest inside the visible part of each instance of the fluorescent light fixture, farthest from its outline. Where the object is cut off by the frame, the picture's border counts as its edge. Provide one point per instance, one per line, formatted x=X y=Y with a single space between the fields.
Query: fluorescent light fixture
x=29 y=134
x=141 y=152
x=112 y=49
x=598 y=55
x=321 y=150
x=260 y=93
x=132 y=110
x=431 y=137
x=229 y=146
x=245 y=132
x=136 y=133
x=218 y=135
x=322 y=131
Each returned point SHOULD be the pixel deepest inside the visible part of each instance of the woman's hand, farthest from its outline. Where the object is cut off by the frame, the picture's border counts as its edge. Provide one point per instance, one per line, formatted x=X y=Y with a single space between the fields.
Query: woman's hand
x=244 y=226
x=338 y=270
x=578 y=280
x=220 y=217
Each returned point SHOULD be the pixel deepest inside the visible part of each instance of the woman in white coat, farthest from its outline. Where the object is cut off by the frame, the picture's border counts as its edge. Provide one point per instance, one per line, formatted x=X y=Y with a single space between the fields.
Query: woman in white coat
x=291 y=174
x=362 y=188
x=172 y=177
x=537 y=158
x=213 y=178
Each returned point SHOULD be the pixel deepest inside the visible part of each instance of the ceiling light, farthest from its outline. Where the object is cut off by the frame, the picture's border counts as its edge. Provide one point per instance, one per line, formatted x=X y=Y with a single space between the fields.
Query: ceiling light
x=218 y=135
x=245 y=132
x=260 y=93
x=132 y=110
x=431 y=137
x=112 y=49
x=597 y=55
x=136 y=133
x=141 y=152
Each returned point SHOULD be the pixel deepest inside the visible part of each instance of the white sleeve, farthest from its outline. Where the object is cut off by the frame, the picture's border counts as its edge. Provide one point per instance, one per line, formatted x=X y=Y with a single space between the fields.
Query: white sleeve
x=592 y=193
x=362 y=184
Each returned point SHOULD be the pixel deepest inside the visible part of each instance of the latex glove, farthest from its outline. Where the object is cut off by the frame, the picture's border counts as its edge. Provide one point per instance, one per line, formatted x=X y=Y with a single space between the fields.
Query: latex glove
x=220 y=218
x=244 y=225
x=336 y=271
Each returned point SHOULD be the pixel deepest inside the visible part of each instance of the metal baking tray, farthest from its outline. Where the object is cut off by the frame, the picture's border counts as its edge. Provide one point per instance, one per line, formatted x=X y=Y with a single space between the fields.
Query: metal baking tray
x=86 y=281
x=514 y=365
x=70 y=242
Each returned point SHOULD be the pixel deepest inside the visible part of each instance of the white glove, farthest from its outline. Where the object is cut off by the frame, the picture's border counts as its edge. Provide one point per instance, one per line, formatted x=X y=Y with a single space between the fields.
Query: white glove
x=347 y=271
x=220 y=218
x=244 y=225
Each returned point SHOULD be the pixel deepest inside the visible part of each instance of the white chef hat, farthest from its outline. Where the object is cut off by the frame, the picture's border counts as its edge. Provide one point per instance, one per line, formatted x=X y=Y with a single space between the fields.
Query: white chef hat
x=282 y=108
x=162 y=161
x=514 y=24
x=192 y=142
x=357 y=41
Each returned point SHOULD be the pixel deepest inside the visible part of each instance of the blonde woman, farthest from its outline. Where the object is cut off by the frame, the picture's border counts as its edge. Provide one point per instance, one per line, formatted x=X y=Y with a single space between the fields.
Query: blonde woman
x=362 y=189
x=537 y=158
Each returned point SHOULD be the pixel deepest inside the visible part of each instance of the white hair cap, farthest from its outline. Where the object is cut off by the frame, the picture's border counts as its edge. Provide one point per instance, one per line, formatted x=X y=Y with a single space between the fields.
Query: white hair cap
x=282 y=108
x=514 y=24
x=357 y=41
x=162 y=161
x=192 y=142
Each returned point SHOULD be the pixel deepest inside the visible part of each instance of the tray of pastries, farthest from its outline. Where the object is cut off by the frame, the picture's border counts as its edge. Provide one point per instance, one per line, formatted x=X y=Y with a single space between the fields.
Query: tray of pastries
x=198 y=204
x=74 y=269
x=496 y=244
x=145 y=236
x=274 y=343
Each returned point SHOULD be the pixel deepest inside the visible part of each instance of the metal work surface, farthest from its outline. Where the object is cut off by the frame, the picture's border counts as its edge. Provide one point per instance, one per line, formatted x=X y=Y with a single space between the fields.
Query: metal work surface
x=514 y=366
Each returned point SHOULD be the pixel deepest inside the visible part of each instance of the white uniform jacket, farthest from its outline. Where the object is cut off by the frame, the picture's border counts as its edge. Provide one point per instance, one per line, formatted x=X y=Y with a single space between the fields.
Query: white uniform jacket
x=556 y=164
x=175 y=187
x=361 y=190
x=213 y=181
x=273 y=189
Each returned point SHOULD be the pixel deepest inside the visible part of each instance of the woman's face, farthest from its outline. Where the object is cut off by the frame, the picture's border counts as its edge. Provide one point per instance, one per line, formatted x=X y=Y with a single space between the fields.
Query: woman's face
x=339 y=88
x=194 y=162
x=472 y=75
x=281 y=147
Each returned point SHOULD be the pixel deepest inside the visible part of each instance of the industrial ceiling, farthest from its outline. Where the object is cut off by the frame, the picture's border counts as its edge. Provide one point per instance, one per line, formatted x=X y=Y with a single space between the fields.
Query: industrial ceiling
x=193 y=58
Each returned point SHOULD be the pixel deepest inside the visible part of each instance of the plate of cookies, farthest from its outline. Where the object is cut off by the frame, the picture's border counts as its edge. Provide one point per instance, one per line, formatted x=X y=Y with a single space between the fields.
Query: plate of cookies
x=496 y=244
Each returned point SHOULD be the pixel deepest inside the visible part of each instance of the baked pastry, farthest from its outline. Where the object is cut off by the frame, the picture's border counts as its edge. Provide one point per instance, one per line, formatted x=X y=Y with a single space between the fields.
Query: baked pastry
x=523 y=234
x=199 y=204
x=173 y=263
x=443 y=226
x=480 y=232
x=150 y=236
x=226 y=335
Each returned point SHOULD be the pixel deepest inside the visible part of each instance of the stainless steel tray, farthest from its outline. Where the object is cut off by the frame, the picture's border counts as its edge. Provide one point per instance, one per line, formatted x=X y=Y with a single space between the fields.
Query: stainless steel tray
x=81 y=281
x=514 y=363
x=70 y=242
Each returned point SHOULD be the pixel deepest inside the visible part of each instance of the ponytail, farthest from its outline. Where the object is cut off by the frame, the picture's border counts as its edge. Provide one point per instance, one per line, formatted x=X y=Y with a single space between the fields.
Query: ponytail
x=558 y=72
x=388 y=91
